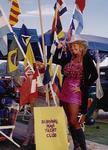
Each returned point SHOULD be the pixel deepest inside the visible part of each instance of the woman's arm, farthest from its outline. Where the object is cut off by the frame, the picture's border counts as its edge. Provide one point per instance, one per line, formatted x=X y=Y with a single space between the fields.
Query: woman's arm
x=90 y=71
x=61 y=57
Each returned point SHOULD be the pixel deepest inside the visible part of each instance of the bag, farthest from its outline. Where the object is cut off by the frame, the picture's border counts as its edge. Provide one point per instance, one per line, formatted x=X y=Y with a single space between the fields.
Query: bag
x=50 y=128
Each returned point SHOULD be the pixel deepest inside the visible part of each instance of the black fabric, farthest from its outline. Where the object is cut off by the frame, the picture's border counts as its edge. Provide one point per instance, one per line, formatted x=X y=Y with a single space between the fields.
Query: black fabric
x=90 y=73
x=74 y=136
x=81 y=139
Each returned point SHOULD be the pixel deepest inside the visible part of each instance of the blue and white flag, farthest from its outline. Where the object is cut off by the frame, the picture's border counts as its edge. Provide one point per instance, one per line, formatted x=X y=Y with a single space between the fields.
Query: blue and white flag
x=78 y=17
x=4 y=30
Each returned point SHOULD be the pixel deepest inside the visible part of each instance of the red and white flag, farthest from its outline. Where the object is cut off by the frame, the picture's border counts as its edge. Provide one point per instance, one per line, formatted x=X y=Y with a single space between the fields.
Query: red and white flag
x=28 y=90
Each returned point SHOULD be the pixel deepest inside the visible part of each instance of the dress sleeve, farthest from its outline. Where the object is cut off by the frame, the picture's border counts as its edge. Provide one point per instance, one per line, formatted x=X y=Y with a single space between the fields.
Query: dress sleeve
x=90 y=71
x=61 y=58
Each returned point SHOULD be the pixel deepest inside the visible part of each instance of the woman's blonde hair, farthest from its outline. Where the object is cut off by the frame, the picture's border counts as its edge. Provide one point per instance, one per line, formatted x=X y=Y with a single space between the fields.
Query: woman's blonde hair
x=83 y=45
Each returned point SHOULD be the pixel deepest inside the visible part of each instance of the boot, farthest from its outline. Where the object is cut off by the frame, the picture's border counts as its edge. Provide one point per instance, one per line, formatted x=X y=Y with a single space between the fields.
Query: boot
x=74 y=137
x=81 y=139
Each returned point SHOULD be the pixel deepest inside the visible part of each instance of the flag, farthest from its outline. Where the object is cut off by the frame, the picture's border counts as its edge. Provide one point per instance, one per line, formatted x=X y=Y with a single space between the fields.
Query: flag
x=70 y=31
x=48 y=72
x=29 y=53
x=25 y=91
x=54 y=44
x=33 y=91
x=4 y=30
x=28 y=90
x=12 y=62
x=78 y=17
x=61 y=7
x=80 y=4
x=3 y=45
x=23 y=33
x=14 y=13
x=58 y=81
x=57 y=27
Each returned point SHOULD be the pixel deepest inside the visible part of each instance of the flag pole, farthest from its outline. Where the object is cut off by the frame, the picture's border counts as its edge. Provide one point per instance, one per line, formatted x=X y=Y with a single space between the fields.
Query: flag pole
x=43 y=45
x=10 y=28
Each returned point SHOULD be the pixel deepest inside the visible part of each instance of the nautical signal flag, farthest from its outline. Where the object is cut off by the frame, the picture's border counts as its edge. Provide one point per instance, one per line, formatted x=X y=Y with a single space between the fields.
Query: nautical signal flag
x=28 y=90
x=14 y=13
x=80 y=4
x=61 y=7
x=48 y=72
x=71 y=30
x=57 y=85
x=57 y=27
x=12 y=60
x=29 y=52
x=77 y=15
x=4 y=30
x=12 y=56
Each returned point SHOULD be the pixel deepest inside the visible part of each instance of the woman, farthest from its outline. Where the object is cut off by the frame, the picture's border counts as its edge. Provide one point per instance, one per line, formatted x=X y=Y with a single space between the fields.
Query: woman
x=79 y=73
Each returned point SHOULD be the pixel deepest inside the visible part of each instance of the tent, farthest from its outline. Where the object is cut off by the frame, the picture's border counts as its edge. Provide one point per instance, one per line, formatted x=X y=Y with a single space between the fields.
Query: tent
x=94 y=42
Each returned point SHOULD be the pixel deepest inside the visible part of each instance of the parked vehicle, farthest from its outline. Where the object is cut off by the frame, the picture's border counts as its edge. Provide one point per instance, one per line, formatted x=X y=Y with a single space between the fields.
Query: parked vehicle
x=103 y=102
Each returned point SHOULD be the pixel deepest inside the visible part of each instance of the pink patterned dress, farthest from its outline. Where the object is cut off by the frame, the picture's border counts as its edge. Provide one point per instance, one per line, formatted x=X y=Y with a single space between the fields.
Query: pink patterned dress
x=73 y=73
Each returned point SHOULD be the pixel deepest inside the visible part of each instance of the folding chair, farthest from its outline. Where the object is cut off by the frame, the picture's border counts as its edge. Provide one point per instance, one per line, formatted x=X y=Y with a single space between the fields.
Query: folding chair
x=7 y=130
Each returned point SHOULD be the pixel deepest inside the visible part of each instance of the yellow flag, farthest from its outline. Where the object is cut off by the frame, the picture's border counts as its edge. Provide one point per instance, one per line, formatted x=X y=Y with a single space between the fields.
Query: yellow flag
x=12 y=60
x=51 y=72
x=50 y=128
x=59 y=75
x=29 y=53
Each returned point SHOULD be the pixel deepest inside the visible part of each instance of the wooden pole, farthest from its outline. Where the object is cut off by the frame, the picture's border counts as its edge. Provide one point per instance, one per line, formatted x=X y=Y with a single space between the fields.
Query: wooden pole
x=43 y=45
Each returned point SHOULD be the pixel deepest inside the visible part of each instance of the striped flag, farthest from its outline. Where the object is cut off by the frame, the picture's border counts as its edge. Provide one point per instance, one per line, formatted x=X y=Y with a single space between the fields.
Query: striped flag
x=4 y=30
x=61 y=7
x=14 y=13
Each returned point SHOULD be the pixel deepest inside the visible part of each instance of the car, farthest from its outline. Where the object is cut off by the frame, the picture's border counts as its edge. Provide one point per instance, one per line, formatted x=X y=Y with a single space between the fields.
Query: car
x=103 y=102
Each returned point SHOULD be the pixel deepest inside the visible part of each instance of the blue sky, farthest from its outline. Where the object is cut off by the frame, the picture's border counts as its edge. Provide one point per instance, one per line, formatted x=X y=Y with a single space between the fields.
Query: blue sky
x=95 y=15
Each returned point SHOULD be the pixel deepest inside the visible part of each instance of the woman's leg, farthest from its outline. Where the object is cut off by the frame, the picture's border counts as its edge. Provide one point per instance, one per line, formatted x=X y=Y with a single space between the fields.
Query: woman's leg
x=71 y=127
x=74 y=110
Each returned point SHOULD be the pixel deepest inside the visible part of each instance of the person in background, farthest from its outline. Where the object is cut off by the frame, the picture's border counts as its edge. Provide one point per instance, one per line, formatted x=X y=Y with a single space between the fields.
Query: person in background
x=79 y=73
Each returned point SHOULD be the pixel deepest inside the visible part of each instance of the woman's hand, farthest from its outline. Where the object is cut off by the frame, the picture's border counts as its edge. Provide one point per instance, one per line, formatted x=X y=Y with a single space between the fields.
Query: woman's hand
x=62 y=44
x=82 y=119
